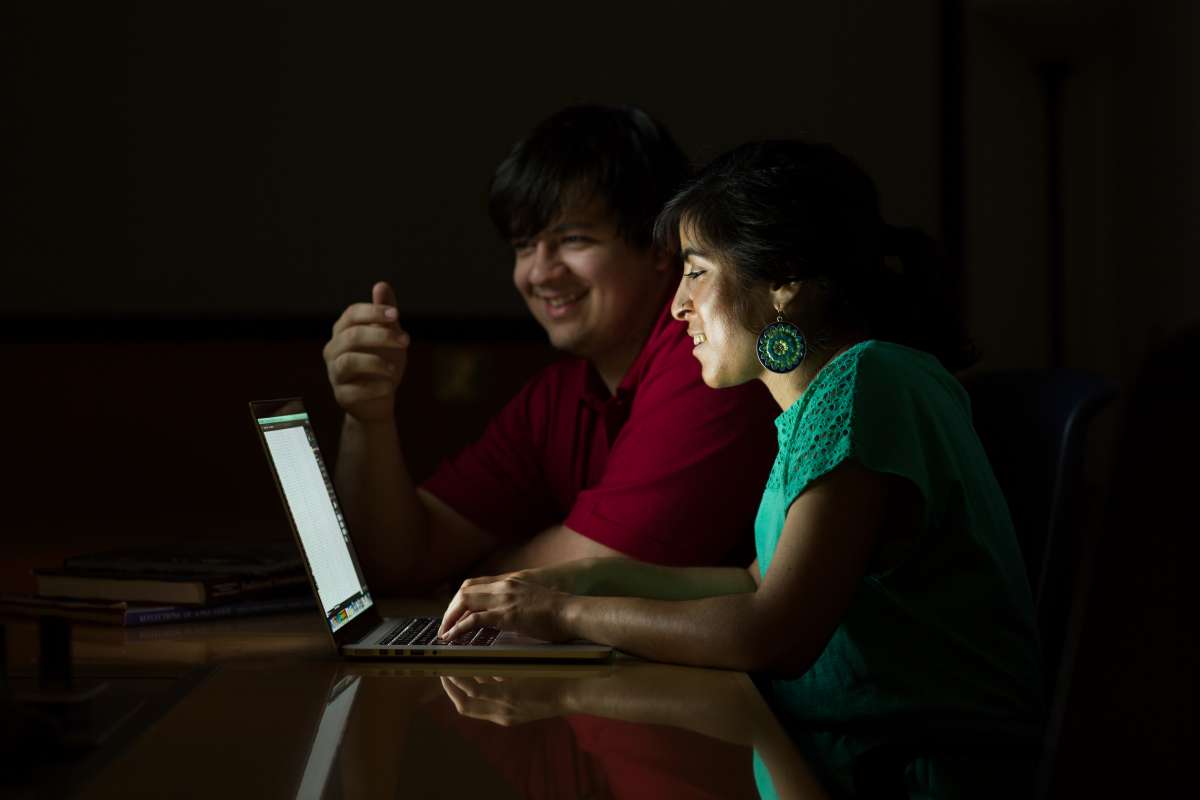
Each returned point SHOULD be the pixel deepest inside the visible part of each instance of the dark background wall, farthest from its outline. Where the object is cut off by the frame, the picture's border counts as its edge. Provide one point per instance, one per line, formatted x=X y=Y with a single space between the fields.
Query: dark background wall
x=1124 y=123
x=274 y=161
x=176 y=161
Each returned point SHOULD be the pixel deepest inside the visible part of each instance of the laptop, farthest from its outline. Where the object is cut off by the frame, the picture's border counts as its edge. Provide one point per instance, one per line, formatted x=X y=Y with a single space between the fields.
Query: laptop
x=343 y=597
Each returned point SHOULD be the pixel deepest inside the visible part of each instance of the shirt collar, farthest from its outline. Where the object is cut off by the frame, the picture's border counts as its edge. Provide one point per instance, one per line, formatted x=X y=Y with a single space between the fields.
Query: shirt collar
x=595 y=392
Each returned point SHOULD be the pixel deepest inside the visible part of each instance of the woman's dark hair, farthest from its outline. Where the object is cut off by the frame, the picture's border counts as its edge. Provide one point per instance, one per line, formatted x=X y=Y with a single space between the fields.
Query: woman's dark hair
x=619 y=155
x=782 y=211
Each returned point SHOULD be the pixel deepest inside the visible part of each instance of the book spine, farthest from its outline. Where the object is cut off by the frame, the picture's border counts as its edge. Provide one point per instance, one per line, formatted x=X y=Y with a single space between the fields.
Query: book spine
x=155 y=616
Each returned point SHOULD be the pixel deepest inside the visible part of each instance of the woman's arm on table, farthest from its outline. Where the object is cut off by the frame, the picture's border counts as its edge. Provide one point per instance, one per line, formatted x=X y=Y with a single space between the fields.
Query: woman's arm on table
x=780 y=626
x=626 y=577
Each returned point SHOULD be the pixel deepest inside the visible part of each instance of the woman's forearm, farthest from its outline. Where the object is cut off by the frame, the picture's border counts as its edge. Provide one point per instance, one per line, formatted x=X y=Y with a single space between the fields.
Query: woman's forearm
x=713 y=631
x=623 y=577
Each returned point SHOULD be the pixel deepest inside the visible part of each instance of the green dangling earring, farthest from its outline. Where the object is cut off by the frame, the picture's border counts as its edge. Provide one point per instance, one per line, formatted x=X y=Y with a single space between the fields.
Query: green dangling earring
x=781 y=346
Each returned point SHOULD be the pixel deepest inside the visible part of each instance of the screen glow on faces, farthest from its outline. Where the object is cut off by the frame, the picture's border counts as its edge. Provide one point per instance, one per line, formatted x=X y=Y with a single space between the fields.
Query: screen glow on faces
x=722 y=345
x=587 y=287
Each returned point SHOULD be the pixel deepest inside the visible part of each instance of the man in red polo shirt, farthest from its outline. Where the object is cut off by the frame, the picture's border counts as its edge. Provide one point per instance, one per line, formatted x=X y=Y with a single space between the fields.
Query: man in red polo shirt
x=618 y=449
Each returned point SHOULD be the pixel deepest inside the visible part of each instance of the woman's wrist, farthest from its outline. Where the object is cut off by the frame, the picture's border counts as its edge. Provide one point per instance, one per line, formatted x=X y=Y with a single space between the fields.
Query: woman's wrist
x=571 y=615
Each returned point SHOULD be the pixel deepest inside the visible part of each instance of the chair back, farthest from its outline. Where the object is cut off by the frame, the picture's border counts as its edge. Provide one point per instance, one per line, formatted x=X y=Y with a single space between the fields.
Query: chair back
x=1122 y=718
x=1034 y=424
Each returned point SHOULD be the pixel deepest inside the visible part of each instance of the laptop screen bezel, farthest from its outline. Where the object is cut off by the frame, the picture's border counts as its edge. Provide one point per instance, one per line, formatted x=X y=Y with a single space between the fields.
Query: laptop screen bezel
x=355 y=629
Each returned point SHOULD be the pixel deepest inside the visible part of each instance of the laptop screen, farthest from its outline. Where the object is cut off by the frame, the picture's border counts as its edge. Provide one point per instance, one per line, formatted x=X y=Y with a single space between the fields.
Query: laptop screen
x=313 y=505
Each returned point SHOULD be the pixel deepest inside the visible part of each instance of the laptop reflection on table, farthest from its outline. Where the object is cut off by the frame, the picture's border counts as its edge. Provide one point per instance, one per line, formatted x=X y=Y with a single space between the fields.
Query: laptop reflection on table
x=327 y=739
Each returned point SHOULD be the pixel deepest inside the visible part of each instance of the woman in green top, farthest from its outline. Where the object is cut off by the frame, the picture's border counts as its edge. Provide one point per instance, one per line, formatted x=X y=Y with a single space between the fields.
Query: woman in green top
x=888 y=584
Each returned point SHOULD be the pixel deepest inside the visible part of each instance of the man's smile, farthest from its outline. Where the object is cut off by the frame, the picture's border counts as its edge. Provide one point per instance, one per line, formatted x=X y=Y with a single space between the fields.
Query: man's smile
x=559 y=304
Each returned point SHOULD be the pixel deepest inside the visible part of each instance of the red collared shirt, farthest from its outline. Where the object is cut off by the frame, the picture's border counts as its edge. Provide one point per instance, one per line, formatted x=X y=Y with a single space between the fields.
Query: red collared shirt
x=664 y=470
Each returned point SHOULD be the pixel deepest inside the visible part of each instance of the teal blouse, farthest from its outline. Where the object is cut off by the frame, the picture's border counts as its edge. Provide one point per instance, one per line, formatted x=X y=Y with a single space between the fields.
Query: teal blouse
x=946 y=629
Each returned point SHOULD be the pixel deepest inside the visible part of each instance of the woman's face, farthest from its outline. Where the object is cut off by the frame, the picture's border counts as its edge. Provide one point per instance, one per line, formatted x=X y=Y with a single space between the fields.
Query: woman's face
x=722 y=345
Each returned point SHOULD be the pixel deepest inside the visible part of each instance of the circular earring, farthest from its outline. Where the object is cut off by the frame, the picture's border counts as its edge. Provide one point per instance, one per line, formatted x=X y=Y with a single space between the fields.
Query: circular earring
x=781 y=346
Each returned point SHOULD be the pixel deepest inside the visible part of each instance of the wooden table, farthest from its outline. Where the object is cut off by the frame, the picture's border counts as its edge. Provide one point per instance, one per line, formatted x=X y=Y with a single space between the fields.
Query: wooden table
x=262 y=707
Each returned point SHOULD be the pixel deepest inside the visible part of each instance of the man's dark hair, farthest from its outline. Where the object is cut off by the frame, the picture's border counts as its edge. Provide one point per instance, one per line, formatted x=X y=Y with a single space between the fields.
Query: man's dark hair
x=618 y=155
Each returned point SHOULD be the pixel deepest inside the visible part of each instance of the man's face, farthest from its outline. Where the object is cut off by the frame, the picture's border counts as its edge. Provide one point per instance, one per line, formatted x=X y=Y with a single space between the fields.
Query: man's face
x=586 y=285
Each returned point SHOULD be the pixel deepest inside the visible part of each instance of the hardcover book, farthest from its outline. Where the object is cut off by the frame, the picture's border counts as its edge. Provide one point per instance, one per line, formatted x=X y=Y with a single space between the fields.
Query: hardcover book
x=193 y=573
x=199 y=557
x=175 y=589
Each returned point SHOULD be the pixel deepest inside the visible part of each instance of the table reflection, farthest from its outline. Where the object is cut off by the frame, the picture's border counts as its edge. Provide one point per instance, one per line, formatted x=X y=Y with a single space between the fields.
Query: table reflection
x=629 y=729
x=655 y=730
x=694 y=714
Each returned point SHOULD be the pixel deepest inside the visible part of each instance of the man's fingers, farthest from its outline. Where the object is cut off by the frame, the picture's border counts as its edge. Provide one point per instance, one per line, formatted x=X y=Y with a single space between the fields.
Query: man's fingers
x=358 y=367
x=382 y=294
x=367 y=314
x=363 y=337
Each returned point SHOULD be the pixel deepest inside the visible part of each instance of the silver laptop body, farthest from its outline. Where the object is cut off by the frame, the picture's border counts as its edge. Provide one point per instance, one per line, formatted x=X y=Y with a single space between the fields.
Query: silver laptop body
x=343 y=598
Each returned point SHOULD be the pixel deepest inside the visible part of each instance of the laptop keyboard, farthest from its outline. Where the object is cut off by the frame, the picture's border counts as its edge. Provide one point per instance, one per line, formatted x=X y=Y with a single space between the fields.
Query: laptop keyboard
x=423 y=630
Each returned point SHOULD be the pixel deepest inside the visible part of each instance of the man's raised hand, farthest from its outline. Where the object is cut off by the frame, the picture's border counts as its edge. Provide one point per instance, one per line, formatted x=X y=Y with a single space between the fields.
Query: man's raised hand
x=366 y=356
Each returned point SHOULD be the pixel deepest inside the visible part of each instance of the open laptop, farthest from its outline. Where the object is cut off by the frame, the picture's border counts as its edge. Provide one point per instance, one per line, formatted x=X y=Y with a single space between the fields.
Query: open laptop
x=345 y=602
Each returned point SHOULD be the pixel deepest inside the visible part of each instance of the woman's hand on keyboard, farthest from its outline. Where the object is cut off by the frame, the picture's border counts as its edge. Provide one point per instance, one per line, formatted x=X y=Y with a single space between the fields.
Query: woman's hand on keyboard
x=514 y=602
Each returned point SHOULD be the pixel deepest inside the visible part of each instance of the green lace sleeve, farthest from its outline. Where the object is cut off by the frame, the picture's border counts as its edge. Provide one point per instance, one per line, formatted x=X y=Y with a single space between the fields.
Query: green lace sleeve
x=884 y=407
x=823 y=432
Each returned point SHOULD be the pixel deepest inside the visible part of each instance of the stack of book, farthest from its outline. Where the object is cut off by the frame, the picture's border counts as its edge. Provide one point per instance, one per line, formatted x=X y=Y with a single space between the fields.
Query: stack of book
x=188 y=581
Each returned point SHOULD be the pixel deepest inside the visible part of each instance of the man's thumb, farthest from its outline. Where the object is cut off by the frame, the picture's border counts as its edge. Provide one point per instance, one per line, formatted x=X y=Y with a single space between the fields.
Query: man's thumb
x=382 y=294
